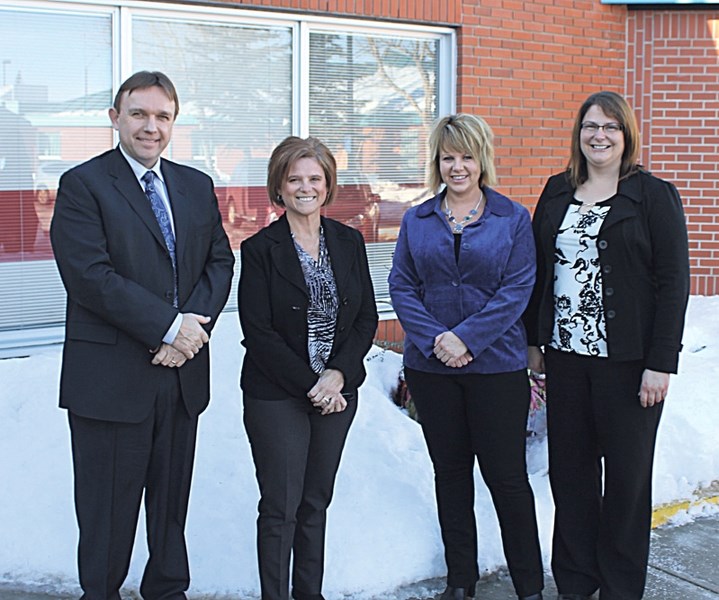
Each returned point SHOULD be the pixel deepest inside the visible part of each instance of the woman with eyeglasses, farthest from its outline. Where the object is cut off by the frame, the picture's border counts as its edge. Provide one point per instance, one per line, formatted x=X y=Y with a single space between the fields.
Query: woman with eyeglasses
x=608 y=310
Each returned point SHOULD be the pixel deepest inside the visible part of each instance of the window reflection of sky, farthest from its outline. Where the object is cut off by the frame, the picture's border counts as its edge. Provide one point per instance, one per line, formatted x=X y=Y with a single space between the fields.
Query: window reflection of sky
x=69 y=54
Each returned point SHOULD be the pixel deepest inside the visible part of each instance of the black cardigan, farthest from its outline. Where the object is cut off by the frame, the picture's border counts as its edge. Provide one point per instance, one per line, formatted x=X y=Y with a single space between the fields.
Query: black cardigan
x=644 y=259
x=273 y=302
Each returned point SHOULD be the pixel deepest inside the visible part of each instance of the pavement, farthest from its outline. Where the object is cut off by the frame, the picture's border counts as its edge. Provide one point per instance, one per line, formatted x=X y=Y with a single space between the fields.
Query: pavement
x=682 y=566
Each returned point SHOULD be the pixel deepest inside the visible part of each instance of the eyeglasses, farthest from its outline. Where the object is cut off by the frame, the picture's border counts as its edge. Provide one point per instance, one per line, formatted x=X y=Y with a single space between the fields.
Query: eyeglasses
x=609 y=128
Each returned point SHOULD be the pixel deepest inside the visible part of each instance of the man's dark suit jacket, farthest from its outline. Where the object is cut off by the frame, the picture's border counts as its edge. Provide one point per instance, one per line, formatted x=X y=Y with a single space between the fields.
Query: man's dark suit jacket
x=273 y=301
x=120 y=284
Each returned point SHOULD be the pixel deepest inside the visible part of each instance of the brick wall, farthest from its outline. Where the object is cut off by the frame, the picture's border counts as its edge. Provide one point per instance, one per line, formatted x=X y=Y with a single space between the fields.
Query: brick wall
x=424 y=11
x=524 y=66
x=673 y=83
x=390 y=335
x=527 y=66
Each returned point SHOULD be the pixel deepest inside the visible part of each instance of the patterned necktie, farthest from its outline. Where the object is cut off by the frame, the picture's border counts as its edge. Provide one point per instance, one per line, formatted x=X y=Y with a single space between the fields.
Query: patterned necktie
x=163 y=220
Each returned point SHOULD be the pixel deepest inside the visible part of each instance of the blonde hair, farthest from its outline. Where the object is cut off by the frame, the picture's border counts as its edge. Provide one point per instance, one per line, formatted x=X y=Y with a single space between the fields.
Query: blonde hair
x=615 y=106
x=461 y=133
x=287 y=153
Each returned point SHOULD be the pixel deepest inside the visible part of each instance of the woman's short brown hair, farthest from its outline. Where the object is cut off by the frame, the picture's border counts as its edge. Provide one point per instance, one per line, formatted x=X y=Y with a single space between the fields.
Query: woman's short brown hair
x=461 y=133
x=287 y=153
x=616 y=107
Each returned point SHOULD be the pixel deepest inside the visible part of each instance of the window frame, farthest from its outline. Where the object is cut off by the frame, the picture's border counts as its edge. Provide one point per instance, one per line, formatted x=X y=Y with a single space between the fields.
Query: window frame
x=22 y=341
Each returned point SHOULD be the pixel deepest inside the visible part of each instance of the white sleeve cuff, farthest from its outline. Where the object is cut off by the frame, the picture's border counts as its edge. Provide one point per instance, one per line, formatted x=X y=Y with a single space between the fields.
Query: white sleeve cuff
x=173 y=330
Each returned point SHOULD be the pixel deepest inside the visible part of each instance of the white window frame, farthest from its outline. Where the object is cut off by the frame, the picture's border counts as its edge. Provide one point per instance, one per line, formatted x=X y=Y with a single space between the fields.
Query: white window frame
x=24 y=341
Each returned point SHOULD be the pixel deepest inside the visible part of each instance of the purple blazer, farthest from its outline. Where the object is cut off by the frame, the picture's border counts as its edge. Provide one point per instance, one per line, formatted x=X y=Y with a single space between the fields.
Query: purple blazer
x=480 y=297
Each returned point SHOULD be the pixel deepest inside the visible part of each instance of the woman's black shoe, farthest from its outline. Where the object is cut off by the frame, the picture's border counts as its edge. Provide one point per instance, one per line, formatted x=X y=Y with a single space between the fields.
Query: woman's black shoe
x=573 y=597
x=303 y=596
x=537 y=596
x=453 y=593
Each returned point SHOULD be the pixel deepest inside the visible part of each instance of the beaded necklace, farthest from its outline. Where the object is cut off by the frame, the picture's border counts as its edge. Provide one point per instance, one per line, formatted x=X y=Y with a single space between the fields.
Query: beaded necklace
x=458 y=226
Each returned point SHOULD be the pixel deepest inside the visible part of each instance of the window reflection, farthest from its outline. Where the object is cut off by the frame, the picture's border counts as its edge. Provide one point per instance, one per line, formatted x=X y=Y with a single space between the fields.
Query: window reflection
x=235 y=105
x=373 y=99
x=55 y=92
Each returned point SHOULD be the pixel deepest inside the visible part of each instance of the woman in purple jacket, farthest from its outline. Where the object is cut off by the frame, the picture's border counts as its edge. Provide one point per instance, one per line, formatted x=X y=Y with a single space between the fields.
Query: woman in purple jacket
x=462 y=275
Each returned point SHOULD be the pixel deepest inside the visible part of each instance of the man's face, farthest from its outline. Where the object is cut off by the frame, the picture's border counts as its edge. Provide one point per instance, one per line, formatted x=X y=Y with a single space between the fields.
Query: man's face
x=144 y=123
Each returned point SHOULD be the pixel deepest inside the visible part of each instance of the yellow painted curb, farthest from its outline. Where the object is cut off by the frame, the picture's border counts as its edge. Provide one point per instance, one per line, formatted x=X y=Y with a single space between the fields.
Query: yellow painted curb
x=662 y=514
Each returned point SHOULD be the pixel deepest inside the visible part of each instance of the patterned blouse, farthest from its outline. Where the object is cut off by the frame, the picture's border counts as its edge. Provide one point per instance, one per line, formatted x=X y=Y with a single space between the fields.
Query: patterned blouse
x=324 y=302
x=579 y=324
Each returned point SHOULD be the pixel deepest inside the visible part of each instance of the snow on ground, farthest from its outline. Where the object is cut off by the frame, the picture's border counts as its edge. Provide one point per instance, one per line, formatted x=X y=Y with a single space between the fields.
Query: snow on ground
x=382 y=530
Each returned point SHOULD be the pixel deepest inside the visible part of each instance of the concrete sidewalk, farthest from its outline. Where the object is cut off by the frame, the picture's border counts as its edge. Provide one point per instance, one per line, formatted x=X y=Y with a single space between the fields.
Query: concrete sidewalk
x=682 y=566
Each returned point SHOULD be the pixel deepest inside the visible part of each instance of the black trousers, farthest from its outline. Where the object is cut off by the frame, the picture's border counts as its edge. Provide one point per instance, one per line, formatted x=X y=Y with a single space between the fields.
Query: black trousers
x=297 y=452
x=482 y=416
x=601 y=451
x=114 y=464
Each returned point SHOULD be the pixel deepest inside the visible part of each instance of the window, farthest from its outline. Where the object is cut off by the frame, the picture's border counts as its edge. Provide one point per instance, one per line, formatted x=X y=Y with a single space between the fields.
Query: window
x=56 y=87
x=372 y=100
x=235 y=105
x=48 y=145
x=246 y=80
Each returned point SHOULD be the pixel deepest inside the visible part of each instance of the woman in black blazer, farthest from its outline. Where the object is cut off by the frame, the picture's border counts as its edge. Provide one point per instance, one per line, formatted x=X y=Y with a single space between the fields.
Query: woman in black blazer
x=608 y=308
x=308 y=317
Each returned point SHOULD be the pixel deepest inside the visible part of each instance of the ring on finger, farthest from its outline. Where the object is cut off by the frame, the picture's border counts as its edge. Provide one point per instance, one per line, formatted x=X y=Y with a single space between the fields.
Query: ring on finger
x=325 y=400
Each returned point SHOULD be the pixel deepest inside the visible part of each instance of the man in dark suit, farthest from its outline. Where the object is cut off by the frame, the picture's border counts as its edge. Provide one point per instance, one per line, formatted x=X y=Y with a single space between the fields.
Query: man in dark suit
x=147 y=268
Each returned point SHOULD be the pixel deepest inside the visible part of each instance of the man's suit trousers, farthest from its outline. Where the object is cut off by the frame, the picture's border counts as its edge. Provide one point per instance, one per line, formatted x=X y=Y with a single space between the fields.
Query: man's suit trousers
x=114 y=464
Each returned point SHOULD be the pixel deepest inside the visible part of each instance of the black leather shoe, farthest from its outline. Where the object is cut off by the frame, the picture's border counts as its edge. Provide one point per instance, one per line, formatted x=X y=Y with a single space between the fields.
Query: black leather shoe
x=453 y=593
x=302 y=596
x=532 y=597
x=573 y=597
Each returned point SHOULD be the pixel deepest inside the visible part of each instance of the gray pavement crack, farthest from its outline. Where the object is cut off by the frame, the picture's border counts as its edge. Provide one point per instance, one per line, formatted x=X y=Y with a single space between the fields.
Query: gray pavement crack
x=700 y=583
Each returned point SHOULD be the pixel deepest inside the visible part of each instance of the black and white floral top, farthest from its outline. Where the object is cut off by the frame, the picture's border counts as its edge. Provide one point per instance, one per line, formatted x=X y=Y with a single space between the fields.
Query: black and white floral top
x=323 y=306
x=579 y=324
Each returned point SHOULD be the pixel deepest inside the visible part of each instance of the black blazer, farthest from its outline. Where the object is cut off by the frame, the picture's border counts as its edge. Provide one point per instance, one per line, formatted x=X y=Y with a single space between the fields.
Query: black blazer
x=120 y=284
x=644 y=258
x=273 y=302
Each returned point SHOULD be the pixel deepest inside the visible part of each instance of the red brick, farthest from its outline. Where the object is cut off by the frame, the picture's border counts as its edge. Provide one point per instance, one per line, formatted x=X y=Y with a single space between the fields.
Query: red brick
x=527 y=66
